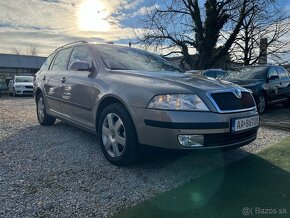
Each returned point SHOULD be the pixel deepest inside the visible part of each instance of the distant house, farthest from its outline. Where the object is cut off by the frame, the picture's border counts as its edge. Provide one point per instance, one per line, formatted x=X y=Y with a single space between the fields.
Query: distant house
x=11 y=65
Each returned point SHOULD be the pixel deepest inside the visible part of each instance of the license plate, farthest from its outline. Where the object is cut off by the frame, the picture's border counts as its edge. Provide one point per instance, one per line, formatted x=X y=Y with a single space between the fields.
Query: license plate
x=245 y=123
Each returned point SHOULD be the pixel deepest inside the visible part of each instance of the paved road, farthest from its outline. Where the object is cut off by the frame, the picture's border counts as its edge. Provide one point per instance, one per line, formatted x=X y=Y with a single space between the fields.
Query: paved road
x=276 y=117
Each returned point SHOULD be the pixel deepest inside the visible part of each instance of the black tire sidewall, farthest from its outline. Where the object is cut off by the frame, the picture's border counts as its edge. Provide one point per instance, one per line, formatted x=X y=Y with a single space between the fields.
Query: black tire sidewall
x=47 y=120
x=129 y=155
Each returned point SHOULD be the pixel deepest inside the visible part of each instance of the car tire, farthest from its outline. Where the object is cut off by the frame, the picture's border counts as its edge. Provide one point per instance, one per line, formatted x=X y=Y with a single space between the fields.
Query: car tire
x=117 y=135
x=287 y=103
x=43 y=118
x=261 y=103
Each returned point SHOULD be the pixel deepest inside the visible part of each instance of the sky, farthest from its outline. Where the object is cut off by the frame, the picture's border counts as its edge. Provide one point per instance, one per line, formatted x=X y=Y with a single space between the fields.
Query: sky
x=48 y=24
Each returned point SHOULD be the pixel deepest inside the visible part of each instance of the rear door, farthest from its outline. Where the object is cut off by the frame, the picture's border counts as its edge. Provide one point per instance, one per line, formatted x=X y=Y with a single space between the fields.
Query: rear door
x=47 y=77
x=284 y=90
x=81 y=88
x=55 y=82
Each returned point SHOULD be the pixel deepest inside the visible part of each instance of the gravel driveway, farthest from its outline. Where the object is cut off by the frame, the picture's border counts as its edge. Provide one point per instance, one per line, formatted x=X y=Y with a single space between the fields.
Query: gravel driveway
x=60 y=170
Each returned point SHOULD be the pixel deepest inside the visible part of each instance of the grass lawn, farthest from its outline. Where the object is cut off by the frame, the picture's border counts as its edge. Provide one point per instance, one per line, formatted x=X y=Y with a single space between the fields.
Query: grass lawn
x=259 y=182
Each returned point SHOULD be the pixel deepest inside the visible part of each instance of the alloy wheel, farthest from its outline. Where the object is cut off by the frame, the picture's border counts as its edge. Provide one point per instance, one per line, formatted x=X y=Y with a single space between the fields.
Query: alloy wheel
x=40 y=108
x=113 y=135
x=261 y=104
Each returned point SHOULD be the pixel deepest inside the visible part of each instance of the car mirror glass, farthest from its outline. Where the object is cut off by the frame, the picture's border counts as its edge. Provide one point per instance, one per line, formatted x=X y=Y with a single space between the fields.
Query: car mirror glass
x=273 y=77
x=80 y=66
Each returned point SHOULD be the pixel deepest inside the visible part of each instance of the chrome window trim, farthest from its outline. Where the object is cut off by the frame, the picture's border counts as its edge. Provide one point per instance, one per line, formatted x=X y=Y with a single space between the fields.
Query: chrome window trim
x=209 y=93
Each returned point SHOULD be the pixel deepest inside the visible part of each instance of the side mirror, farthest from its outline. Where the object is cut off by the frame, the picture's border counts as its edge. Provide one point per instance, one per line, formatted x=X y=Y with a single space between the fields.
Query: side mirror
x=80 y=66
x=273 y=77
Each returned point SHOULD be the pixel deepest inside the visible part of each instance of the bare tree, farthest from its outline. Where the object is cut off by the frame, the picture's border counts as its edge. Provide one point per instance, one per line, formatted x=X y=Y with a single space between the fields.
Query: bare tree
x=15 y=51
x=269 y=21
x=182 y=25
x=33 y=51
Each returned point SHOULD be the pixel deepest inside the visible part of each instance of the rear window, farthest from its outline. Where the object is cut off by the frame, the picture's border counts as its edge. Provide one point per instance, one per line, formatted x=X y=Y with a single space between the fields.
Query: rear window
x=282 y=72
x=61 y=60
x=47 y=63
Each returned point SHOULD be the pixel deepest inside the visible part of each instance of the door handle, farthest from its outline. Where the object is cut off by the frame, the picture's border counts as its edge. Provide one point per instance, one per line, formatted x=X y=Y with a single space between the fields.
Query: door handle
x=63 y=80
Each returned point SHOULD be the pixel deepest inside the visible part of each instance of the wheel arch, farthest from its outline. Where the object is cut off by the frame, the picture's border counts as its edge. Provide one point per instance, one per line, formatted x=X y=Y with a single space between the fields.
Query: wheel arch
x=37 y=92
x=104 y=102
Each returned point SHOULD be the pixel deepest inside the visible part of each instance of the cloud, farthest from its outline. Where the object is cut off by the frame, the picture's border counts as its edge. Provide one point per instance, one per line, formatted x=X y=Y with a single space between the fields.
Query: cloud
x=47 y=24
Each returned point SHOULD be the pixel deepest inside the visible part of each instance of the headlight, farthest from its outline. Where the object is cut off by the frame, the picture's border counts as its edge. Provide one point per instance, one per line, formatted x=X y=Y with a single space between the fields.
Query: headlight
x=183 y=102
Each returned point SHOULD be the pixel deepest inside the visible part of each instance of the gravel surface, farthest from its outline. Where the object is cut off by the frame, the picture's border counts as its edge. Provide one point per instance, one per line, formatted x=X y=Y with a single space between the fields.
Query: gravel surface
x=61 y=171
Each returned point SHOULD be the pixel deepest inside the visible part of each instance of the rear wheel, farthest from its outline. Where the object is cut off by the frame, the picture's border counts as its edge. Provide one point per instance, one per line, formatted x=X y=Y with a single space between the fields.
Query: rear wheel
x=43 y=118
x=261 y=103
x=117 y=135
x=287 y=103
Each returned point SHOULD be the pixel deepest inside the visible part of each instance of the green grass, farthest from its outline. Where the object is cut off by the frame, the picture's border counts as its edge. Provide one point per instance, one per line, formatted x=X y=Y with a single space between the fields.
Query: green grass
x=261 y=180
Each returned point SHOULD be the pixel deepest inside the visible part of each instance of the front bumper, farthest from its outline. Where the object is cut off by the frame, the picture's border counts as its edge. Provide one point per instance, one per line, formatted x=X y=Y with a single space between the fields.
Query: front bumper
x=23 y=91
x=161 y=128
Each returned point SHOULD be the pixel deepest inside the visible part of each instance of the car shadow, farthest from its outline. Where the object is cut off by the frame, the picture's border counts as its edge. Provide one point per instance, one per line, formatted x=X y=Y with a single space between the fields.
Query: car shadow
x=251 y=187
x=41 y=162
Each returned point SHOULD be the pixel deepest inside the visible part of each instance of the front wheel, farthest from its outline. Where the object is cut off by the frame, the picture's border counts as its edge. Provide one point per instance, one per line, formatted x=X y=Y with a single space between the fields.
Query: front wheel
x=43 y=118
x=261 y=103
x=117 y=135
x=287 y=103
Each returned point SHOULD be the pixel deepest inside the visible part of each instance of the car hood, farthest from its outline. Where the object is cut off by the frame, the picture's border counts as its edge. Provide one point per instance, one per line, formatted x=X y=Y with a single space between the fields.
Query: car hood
x=185 y=80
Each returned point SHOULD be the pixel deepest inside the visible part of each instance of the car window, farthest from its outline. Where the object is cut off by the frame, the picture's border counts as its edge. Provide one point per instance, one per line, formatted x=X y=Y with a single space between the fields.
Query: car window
x=46 y=64
x=23 y=79
x=81 y=53
x=245 y=73
x=125 y=58
x=272 y=72
x=61 y=60
x=282 y=72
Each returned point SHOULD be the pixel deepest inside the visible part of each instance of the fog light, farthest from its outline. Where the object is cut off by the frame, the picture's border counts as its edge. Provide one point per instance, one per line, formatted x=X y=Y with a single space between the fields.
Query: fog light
x=191 y=140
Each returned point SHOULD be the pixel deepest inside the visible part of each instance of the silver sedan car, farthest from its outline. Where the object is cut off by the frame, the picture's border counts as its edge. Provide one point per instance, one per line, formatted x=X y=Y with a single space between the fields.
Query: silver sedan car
x=131 y=98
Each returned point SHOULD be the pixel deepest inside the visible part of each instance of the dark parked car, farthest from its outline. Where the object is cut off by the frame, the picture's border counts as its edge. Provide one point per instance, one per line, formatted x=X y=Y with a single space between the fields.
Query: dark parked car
x=269 y=84
x=131 y=98
x=214 y=73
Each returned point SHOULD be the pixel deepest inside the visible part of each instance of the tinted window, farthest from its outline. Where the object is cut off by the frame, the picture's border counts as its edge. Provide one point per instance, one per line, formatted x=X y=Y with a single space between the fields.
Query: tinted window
x=23 y=79
x=81 y=53
x=61 y=60
x=47 y=63
x=125 y=58
x=272 y=72
x=245 y=73
x=282 y=72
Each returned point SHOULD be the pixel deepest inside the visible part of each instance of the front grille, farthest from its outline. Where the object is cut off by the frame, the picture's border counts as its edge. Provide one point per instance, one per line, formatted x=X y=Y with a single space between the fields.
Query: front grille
x=212 y=140
x=28 y=87
x=27 y=92
x=227 y=101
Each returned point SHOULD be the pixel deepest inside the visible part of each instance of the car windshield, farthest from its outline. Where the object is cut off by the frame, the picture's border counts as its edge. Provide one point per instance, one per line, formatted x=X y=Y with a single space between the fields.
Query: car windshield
x=245 y=73
x=124 y=58
x=24 y=79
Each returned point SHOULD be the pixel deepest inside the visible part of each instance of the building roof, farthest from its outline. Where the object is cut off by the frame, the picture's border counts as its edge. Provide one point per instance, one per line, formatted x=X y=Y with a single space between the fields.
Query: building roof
x=21 y=61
